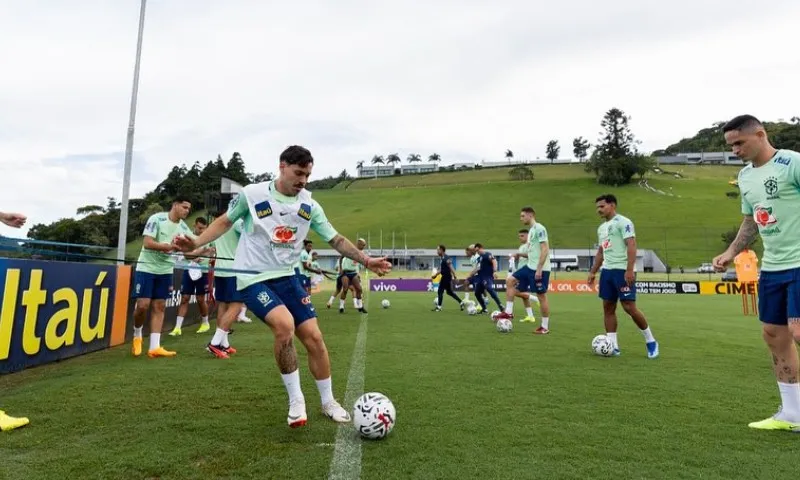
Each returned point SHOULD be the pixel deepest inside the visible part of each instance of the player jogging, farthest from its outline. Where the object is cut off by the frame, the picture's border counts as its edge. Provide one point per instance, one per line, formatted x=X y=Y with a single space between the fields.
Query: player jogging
x=524 y=294
x=277 y=216
x=7 y=422
x=534 y=276
x=485 y=271
x=154 y=269
x=770 y=191
x=194 y=282
x=616 y=255
x=229 y=299
x=349 y=272
x=448 y=276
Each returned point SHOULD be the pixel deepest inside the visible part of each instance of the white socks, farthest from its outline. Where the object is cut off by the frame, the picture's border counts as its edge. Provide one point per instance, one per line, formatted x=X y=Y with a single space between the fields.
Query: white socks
x=325 y=390
x=546 y=323
x=613 y=338
x=292 y=383
x=790 y=396
x=332 y=299
x=137 y=332
x=360 y=303
x=466 y=296
x=219 y=336
x=178 y=322
x=510 y=307
x=205 y=320
x=341 y=304
x=155 y=341
x=648 y=335
x=529 y=312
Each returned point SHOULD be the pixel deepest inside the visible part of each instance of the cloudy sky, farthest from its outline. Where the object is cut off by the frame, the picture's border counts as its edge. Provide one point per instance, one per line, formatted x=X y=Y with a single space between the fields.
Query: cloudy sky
x=348 y=79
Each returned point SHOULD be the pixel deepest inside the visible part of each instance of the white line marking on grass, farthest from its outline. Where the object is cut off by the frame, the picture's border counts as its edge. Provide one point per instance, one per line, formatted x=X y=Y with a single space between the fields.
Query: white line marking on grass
x=346 y=461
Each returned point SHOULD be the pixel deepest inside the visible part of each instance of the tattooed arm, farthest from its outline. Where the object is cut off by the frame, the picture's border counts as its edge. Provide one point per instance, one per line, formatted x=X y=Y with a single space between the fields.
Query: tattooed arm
x=345 y=247
x=747 y=233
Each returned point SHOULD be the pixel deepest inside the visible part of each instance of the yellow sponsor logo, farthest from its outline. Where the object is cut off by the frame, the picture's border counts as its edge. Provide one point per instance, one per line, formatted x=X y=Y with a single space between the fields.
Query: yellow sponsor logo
x=727 y=288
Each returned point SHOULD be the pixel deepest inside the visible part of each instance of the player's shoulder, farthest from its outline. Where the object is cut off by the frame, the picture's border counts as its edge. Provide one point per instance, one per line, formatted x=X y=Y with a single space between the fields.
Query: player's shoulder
x=621 y=220
x=787 y=158
x=159 y=217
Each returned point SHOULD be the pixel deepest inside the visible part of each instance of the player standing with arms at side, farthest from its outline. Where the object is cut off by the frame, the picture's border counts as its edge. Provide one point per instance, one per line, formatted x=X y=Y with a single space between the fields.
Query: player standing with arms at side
x=7 y=422
x=277 y=216
x=770 y=187
x=616 y=255
x=194 y=282
x=448 y=277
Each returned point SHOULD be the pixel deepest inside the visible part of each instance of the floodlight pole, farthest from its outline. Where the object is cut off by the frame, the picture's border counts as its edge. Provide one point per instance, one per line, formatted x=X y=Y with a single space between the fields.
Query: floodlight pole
x=126 y=173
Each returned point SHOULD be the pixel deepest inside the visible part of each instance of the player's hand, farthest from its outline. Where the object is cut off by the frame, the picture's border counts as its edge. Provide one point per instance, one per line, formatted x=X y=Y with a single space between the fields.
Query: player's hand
x=15 y=220
x=183 y=243
x=630 y=277
x=380 y=266
x=720 y=262
x=590 y=279
x=538 y=275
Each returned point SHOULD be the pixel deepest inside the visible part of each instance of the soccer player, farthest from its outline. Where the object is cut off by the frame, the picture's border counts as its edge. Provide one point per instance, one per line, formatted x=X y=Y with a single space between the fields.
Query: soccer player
x=305 y=262
x=194 y=286
x=229 y=299
x=770 y=186
x=616 y=255
x=153 y=278
x=339 y=276
x=486 y=271
x=534 y=276
x=278 y=215
x=7 y=422
x=523 y=294
x=447 y=279
x=350 y=276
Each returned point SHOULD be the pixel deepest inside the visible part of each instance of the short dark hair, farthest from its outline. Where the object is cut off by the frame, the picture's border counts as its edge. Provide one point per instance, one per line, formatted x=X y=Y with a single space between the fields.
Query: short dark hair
x=478 y=245
x=201 y=221
x=181 y=199
x=606 y=197
x=307 y=242
x=522 y=230
x=742 y=122
x=444 y=249
x=297 y=155
x=528 y=209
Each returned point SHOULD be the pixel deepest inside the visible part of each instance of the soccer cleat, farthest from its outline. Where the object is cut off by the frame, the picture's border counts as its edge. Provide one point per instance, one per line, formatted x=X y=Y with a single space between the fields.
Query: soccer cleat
x=160 y=352
x=503 y=315
x=217 y=351
x=229 y=350
x=244 y=320
x=341 y=310
x=616 y=353
x=8 y=422
x=773 y=423
x=541 y=331
x=136 y=348
x=529 y=319
x=335 y=412
x=204 y=328
x=176 y=332
x=297 y=415
x=652 y=349
x=362 y=310
x=328 y=305
x=436 y=309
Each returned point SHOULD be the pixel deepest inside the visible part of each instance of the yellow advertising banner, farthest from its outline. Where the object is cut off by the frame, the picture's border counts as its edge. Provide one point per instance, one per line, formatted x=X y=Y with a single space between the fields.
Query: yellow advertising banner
x=727 y=288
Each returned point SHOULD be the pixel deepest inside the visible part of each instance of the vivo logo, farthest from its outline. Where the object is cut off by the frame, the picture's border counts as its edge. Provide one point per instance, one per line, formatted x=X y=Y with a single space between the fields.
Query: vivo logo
x=383 y=287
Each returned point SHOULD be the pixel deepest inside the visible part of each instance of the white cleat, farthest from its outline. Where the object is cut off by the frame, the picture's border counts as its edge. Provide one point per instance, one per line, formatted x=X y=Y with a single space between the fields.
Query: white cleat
x=297 y=415
x=335 y=412
x=244 y=320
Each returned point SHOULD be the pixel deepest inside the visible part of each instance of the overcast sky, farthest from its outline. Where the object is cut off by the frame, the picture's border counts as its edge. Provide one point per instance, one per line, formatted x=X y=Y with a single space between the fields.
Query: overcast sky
x=349 y=79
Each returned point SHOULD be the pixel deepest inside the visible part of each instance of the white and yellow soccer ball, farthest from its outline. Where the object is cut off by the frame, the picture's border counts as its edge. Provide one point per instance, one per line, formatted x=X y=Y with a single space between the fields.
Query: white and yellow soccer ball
x=602 y=345
x=495 y=314
x=374 y=416
x=385 y=303
x=504 y=325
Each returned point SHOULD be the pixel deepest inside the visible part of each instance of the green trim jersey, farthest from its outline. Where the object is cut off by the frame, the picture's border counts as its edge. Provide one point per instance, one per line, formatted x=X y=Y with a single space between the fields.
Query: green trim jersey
x=305 y=257
x=771 y=194
x=226 y=248
x=349 y=265
x=611 y=236
x=537 y=235
x=161 y=229
x=522 y=260
x=273 y=231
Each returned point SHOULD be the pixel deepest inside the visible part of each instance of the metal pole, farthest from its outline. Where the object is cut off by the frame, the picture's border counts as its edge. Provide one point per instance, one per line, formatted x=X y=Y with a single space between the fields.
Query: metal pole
x=126 y=173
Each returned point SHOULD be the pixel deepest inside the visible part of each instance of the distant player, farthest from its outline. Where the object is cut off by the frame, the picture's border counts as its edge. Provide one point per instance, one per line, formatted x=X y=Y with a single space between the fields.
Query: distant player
x=7 y=422
x=534 y=276
x=616 y=255
x=194 y=283
x=277 y=215
x=152 y=282
x=486 y=272
x=338 y=291
x=523 y=262
x=350 y=276
x=305 y=263
x=770 y=187
x=229 y=299
x=448 y=277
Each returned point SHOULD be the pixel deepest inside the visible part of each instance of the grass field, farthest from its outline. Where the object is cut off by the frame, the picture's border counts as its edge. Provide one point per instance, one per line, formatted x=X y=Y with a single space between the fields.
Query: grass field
x=471 y=403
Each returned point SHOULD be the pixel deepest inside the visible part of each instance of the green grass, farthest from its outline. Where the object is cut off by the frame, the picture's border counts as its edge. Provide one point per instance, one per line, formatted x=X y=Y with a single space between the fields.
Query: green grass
x=471 y=403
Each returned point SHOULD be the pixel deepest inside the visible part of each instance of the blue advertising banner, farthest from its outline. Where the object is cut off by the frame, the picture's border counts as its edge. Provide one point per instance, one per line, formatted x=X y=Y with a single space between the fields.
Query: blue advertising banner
x=53 y=310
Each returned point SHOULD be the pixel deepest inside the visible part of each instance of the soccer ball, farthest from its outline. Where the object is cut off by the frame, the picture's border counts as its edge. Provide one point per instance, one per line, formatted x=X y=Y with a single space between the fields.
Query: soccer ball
x=504 y=325
x=471 y=309
x=374 y=416
x=385 y=303
x=601 y=345
x=495 y=314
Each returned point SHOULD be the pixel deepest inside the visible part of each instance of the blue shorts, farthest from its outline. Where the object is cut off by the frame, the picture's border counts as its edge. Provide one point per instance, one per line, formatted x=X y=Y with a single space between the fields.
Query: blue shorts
x=261 y=298
x=305 y=281
x=528 y=283
x=338 y=282
x=779 y=296
x=613 y=286
x=194 y=287
x=152 y=286
x=225 y=290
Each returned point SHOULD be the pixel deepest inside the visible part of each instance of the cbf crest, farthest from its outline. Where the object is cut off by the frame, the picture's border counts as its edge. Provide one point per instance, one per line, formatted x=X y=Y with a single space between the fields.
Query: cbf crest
x=771 y=188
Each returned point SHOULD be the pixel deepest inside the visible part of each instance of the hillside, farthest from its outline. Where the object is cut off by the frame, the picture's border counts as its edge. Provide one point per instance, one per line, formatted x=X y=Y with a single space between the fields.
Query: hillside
x=781 y=134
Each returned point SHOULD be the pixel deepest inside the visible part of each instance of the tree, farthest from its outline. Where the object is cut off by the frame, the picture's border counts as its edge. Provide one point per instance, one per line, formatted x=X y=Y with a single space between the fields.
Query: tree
x=377 y=159
x=509 y=155
x=392 y=158
x=580 y=148
x=263 y=177
x=235 y=170
x=616 y=160
x=553 y=150
x=89 y=209
x=435 y=158
x=521 y=172
x=414 y=158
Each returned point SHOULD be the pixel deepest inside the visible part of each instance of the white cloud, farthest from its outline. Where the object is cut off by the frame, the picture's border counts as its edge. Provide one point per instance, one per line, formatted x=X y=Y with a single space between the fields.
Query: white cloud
x=355 y=78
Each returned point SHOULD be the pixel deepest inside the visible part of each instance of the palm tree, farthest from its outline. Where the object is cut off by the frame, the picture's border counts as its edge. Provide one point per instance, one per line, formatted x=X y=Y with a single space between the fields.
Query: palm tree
x=376 y=160
x=435 y=158
x=509 y=155
x=413 y=158
x=392 y=158
x=359 y=166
